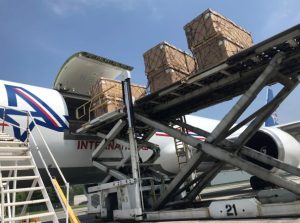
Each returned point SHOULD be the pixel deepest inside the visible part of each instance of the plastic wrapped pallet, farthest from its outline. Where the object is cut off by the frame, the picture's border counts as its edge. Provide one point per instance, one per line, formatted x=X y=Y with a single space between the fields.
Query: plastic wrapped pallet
x=164 y=56
x=215 y=51
x=210 y=24
x=164 y=78
x=166 y=64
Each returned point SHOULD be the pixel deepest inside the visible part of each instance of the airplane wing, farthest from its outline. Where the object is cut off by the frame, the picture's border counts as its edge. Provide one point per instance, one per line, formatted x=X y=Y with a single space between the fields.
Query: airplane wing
x=292 y=128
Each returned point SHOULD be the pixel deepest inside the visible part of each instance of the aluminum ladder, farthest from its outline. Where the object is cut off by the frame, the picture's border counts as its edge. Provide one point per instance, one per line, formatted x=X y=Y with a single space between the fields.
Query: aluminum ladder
x=180 y=147
x=19 y=174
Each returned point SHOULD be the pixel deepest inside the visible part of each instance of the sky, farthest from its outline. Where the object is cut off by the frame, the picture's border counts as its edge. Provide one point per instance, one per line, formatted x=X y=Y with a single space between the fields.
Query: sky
x=37 y=36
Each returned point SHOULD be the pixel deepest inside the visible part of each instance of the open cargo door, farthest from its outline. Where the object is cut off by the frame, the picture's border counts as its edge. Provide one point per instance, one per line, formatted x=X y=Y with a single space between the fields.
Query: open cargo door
x=78 y=74
x=82 y=69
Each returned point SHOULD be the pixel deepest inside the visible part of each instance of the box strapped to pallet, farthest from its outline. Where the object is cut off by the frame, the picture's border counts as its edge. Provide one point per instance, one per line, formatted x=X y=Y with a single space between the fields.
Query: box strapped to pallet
x=210 y=24
x=215 y=51
x=107 y=96
x=165 y=64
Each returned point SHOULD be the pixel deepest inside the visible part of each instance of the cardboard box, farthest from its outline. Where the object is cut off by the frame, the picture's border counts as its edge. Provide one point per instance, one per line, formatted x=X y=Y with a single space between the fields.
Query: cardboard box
x=164 y=56
x=105 y=104
x=214 y=51
x=106 y=96
x=164 y=78
x=113 y=88
x=210 y=24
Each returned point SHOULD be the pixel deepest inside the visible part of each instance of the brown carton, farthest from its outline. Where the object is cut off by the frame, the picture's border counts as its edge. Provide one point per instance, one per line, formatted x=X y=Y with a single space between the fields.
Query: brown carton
x=214 y=51
x=113 y=88
x=105 y=104
x=106 y=96
x=164 y=56
x=210 y=24
x=164 y=78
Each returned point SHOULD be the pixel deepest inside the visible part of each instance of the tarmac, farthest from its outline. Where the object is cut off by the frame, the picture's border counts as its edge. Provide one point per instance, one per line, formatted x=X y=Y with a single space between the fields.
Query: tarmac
x=218 y=192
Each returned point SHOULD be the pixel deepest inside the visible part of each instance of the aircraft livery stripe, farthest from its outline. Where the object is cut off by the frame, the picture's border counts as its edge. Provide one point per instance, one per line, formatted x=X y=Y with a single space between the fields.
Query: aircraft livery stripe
x=190 y=134
x=39 y=106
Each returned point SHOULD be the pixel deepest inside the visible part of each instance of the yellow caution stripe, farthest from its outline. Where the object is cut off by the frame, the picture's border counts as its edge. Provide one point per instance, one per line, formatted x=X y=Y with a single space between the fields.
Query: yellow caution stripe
x=72 y=216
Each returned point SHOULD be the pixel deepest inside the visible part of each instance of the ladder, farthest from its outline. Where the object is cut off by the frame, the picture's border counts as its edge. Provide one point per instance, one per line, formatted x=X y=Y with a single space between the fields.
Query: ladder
x=180 y=147
x=19 y=174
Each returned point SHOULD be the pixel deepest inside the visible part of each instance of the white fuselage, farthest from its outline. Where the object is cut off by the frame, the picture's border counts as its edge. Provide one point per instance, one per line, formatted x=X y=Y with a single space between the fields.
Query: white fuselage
x=50 y=112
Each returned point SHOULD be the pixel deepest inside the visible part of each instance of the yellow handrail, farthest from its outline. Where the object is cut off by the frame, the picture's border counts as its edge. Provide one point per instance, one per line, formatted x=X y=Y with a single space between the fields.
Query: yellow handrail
x=72 y=216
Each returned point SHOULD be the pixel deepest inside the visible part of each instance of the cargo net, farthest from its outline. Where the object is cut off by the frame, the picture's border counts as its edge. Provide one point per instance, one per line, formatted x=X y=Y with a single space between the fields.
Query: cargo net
x=164 y=78
x=164 y=56
x=107 y=96
x=215 y=51
x=210 y=24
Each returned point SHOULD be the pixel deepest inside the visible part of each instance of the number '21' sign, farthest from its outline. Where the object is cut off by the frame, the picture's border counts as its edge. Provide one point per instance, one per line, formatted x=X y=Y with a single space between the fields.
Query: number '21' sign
x=243 y=208
x=231 y=210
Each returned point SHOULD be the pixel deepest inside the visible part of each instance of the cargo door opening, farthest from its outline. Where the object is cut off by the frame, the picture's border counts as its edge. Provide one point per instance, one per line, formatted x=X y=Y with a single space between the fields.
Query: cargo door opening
x=75 y=79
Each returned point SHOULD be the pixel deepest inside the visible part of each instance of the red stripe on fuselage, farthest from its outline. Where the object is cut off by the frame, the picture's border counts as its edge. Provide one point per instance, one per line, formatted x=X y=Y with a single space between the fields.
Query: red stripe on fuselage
x=165 y=134
x=39 y=107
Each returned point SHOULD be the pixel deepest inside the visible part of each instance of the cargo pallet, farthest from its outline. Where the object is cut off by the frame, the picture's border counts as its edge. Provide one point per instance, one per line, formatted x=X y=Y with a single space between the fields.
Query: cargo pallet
x=273 y=61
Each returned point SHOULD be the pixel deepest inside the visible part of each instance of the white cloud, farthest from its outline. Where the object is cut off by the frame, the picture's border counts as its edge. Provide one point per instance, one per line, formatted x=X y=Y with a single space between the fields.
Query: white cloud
x=66 y=7
x=49 y=47
x=155 y=12
x=69 y=7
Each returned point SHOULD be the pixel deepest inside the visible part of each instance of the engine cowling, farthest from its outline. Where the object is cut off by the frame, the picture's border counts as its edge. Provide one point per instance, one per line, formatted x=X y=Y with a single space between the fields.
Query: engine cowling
x=276 y=143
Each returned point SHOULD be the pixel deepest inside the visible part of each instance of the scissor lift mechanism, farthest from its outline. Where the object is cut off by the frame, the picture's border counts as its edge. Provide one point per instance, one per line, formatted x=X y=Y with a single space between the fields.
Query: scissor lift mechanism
x=275 y=60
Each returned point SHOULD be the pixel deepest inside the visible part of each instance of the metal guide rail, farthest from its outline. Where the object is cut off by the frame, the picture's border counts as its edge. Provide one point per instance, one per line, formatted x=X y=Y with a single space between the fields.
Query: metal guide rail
x=102 y=122
x=226 y=80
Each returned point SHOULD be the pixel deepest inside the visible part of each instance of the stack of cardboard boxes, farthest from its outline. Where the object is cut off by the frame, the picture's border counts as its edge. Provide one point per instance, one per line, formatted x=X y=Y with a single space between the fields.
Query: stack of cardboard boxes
x=106 y=96
x=213 y=38
x=166 y=64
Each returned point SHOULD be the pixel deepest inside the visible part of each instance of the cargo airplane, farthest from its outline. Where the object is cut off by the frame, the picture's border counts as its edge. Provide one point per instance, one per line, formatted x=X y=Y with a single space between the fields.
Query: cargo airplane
x=54 y=112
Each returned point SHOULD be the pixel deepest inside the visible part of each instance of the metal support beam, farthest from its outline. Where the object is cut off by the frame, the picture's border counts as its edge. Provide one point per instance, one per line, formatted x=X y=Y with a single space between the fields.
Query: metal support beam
x=219 y=133
x=188 y=184
x=207 y=177
x=149 y=135
x=155 y=148
x=263 y=158
x=116 y=174
x=257 y=122
x=137 y=193
x=186 y=170
x=196 y=130
x=249 y=167
x=110 y=136
x=120 y=164
x=248 y=119
x=171 y=131
x=180 y=178
x=221 y=155
x=284 y=80
x=247 y=134
x=269 y=160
